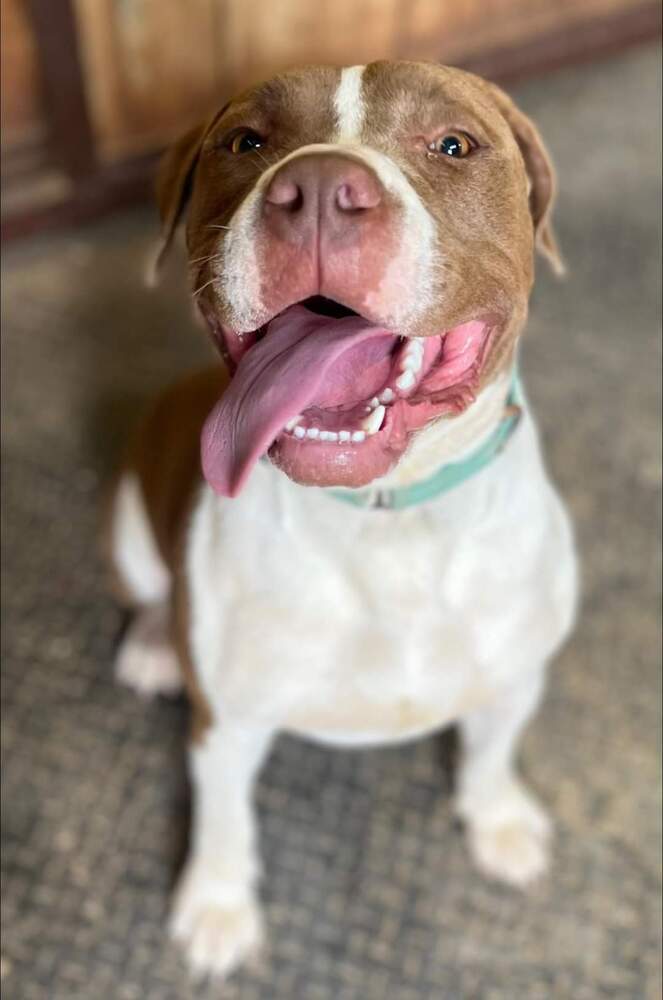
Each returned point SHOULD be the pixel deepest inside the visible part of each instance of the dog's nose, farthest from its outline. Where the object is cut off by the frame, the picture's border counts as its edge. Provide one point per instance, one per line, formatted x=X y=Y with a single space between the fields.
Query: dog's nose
x=326 y=189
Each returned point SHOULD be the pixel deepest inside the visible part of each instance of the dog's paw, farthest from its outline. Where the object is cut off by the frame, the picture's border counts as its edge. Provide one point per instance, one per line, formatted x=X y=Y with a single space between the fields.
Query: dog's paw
x=512 y=853
x=146 y=661
x=216 y=936
x=511 y=840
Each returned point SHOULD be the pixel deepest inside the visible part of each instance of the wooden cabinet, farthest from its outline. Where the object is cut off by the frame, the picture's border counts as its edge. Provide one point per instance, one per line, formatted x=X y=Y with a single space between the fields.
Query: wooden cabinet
x=150 y=67
x=22 y=114
x=153 y=66
x=105 y=84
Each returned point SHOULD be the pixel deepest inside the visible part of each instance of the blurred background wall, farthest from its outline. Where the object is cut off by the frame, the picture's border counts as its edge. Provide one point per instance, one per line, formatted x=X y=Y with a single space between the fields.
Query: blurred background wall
x=92 y=90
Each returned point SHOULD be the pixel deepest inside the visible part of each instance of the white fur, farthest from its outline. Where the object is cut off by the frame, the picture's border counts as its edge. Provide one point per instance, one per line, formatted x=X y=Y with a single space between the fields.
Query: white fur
x=146 y=660
x=215 y=914
x=134 y=550
x=508 y=831
x=416 y=617
x=357 y=627
x=349 y=104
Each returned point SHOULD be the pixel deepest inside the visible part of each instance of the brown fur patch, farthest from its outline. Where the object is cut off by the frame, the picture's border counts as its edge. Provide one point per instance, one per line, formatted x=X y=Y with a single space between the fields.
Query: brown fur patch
x=164 y=454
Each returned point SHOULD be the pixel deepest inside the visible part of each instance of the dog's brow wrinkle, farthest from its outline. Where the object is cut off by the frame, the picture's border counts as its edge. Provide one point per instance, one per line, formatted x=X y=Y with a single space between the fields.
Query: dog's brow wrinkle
x=349 y=104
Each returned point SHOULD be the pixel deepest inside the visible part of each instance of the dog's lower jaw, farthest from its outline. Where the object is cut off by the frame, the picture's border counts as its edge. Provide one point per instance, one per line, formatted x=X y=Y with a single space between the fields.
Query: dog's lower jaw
x=451 y=439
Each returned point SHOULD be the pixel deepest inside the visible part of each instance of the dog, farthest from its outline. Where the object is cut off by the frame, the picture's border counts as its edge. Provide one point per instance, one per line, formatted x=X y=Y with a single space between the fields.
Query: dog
x=346 y=531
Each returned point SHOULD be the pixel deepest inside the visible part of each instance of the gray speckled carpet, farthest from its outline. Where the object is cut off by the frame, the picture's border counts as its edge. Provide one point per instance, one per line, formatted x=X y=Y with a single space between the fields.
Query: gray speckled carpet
x=369 y=892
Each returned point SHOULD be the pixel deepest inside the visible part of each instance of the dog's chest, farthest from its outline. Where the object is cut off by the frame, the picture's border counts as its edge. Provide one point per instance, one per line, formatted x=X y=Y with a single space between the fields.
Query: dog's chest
x=352 y=624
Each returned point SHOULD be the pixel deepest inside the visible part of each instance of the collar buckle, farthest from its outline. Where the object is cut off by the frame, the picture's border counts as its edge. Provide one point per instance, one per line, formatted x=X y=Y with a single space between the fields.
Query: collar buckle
x=383 y=500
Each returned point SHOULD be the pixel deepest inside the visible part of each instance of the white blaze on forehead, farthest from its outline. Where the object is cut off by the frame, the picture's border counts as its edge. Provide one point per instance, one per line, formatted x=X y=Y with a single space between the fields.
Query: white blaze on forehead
x=349 y=105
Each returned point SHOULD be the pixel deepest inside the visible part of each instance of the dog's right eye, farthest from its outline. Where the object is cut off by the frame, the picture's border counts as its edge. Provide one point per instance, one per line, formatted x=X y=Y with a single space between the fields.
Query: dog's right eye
x=245 y=141
x=455 y=144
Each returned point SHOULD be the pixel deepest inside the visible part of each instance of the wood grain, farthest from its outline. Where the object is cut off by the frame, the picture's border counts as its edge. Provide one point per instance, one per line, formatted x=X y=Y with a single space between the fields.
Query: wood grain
x=153 y=67
x=21 y=110
x=150 y=68
x=76 y=143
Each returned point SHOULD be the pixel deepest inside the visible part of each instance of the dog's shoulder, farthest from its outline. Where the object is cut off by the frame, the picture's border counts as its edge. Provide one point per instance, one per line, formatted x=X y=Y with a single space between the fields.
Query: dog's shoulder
x=164 y=453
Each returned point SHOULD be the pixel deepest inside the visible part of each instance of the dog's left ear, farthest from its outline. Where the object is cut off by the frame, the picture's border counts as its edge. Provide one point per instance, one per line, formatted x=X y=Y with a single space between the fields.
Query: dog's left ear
x=173 y=189
x=541 y=175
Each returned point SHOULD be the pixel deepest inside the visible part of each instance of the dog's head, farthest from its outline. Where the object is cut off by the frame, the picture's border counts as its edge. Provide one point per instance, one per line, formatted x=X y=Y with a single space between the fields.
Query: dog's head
x=361 y=246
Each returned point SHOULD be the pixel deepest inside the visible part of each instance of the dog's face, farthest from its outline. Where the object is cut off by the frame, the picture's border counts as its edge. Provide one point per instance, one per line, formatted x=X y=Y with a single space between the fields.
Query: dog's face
x=361 y=246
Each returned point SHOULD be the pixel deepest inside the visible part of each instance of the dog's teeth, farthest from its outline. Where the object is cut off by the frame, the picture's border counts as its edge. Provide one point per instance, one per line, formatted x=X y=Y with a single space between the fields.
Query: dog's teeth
x=312 y=432
x=373 y=423
x=387 y=396
x=374 y=402
x=358 y=436
x=415 y=345
x=413 y=356
x=290 y=426
x=344 y=435
x=406 y=380
x=299 y=432
x=332 y=436
x=415 y=348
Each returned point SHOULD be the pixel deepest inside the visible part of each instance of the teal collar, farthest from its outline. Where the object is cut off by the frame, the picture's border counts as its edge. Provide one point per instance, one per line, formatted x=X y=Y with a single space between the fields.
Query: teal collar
x=447 y=476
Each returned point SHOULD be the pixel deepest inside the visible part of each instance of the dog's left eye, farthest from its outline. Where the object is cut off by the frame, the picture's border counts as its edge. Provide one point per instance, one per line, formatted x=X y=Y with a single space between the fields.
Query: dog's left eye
x=455 y=144
x=245 y=141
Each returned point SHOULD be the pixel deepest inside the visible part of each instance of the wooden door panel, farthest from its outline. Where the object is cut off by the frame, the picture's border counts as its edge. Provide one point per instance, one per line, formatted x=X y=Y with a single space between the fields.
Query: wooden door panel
x=257 y=37
x=92 y=90
x=153 y=67
x=150 y=68
x=22 y=113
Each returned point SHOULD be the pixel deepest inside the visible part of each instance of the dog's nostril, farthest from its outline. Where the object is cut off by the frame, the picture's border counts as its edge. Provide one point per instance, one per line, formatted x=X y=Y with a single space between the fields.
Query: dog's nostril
x=284 y=193
x=356 y=197
x=345 y=198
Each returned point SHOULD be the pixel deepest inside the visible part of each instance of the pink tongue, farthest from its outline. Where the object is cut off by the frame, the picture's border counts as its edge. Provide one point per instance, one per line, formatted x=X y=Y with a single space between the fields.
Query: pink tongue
x=303 y=359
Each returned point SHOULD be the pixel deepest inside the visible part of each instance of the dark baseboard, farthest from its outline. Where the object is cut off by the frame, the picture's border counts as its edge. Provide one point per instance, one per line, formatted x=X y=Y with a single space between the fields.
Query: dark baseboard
x=123 y=184
x=111 y=188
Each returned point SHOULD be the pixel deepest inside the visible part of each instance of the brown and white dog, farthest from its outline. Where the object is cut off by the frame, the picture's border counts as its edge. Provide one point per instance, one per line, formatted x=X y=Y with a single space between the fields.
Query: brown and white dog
x=361 y=246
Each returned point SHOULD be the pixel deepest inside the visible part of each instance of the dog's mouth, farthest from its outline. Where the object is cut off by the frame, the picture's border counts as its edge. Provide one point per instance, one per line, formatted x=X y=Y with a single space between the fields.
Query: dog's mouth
x=333 y=398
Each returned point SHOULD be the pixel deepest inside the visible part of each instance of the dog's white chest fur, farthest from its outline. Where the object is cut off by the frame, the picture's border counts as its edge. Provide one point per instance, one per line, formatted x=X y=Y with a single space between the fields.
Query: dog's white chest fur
x=354 y=625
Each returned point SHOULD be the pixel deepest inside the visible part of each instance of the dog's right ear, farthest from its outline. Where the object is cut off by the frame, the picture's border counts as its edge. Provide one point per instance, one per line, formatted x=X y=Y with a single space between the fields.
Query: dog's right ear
x=541 y=174
x=173 y=189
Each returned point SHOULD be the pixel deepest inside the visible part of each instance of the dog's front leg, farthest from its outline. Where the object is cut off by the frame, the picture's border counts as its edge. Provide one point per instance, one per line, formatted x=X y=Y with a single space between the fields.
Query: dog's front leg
x=216 y=914
x=508 y=830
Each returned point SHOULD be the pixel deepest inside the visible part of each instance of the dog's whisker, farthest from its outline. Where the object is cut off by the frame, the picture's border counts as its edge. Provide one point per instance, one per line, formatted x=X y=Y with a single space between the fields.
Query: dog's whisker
x=264 y=159
x=201 y=260
x=203 y=287
x=215 y=226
